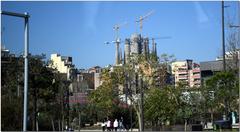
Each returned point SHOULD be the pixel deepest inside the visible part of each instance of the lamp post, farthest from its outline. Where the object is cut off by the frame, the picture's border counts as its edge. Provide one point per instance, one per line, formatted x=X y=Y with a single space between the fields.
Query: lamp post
x=26 y=49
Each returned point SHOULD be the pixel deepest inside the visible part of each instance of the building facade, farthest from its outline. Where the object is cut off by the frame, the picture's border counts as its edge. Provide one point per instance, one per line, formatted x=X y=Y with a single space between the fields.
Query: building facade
x=187 y=73
x=63 y=64
x=96 y=71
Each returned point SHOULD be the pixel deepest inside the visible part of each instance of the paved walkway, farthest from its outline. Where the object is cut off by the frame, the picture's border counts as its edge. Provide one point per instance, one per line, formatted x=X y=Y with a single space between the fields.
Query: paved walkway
x=98 y=130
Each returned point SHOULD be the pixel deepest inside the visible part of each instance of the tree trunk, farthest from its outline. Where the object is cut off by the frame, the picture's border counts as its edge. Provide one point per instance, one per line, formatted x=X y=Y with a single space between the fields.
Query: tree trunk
x=139 y=121
x=37 y=125
x=153 y=125
x=59 y=125
x=185 y=125
x=52 y=124
x=63 y=124
x=137 y=109
x=35 y=109
x=163 y=128
x=211 y=115
x=79 y=121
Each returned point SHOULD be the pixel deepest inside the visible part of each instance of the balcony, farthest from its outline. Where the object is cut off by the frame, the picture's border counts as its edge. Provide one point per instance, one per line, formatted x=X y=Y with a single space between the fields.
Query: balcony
x=196 y=70
x=196 y=76
x=183 y=77
x=197 y=82
x=182 y=72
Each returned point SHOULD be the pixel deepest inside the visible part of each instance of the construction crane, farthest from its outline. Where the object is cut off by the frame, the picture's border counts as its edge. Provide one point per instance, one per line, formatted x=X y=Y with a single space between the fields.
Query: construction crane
x=154 y=47
x=117 y=27
x=117 y=42
x=141 y=18
x=113 y=42
x=155 y=38
x=117 y=53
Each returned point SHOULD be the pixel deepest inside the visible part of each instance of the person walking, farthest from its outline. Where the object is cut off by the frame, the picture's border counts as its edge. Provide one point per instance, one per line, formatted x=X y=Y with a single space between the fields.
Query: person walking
x=121 y=124
x=115 y=125
x=103 y=126
x=105 y=123
x=108 y=125
x=112 y=127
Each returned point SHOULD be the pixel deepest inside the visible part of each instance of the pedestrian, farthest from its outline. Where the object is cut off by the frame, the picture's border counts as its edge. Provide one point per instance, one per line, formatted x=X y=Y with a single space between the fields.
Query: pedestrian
x=205 y=124
x=108 y=125
x=121 y=125
x=103 y=126
x=111 y=125
x=115 y=125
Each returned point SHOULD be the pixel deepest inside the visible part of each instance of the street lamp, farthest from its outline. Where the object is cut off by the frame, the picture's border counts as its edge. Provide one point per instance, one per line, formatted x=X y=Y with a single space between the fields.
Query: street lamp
x=26 y=44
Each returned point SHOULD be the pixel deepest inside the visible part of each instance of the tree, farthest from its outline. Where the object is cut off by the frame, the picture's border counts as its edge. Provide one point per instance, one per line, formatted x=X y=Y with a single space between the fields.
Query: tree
x=144 y=74
x=222 y=89
x=105 y=98
x=137 y=76
x=42 y=92
x=233 y=45
x=11 y=93
x=161 y=105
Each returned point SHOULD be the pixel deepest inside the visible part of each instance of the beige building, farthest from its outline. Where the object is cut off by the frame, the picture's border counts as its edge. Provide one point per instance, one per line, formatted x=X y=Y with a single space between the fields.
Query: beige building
x=186 y=72
x=62 y=63
x=96 y=71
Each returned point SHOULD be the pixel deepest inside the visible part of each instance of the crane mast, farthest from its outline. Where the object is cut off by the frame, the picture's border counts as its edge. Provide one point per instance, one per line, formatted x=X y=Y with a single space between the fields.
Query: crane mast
x=117 y=42
x=141 y=18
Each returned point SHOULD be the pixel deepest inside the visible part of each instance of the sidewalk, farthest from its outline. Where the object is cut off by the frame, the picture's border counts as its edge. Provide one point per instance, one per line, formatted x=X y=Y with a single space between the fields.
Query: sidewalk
x=99 y=130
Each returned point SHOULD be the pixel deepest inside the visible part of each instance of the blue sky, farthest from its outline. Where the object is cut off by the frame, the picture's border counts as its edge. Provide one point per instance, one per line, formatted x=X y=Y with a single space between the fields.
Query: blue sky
x=79 y=29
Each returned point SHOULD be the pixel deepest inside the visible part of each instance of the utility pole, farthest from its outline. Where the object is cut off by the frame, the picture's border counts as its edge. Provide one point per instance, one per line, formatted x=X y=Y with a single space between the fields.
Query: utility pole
x=26 y=32
x=26 y=49
x=223 y=38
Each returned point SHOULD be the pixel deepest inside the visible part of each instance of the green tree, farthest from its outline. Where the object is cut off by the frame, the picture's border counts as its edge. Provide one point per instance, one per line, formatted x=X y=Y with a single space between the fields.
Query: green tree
x=105 y=98
x=11 y=93
x=145 y=73
x=139 y=73
x=222 y=88
x=42 y=92
x=160 y=105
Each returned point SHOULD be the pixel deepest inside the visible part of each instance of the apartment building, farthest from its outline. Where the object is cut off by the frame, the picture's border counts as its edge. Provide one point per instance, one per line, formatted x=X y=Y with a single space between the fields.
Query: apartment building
x=186 y=72
x=96 y=71
x=62 y=63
